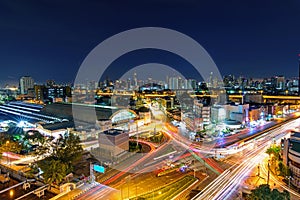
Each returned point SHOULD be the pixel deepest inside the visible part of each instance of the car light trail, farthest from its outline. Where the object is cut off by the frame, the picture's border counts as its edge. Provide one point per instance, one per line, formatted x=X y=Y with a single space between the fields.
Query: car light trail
x=223 y=186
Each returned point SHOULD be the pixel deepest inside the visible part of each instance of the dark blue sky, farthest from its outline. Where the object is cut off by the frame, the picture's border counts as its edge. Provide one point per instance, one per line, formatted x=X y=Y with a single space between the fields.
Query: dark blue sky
x=48 y=39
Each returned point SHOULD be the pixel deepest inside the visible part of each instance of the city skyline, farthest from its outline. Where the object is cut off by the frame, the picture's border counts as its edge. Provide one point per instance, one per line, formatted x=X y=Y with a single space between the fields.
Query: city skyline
x=152 y=99
x=148 y=78
x=253 y=39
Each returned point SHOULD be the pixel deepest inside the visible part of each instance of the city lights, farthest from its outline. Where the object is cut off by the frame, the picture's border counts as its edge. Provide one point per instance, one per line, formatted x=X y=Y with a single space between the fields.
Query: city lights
x=156 y=100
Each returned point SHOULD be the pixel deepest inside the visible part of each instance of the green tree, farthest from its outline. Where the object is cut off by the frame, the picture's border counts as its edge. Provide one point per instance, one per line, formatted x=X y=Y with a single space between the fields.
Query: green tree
x=54 y=171
x=44 y=147
x=31 y=138
x=70 y=149
x=283 y=169
x=275 y=151
x=264 y=192
x=63 y=151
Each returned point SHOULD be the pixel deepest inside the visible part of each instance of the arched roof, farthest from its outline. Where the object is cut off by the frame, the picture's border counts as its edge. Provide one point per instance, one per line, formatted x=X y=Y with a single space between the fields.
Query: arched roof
x=123 y=115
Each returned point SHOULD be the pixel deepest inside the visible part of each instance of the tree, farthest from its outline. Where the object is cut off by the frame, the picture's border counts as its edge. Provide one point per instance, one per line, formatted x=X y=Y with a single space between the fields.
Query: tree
x=69 y=149
x=62 y=151
x=31 y=138
x=54 y=171
x=263 y=192
x=43 y=148
x=283 y=169
x=10 y=146
x=275 y=151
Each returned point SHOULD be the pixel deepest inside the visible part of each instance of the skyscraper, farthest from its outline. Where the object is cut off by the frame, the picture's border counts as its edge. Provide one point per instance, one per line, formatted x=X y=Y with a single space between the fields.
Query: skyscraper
x=173 y=83
x=135 y=82
x=26 y=82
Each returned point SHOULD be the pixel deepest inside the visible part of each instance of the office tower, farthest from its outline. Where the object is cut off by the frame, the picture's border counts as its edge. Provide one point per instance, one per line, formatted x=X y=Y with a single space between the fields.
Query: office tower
x=280 y=84
x=26 y=82
x=173 y=83
x=135 y=83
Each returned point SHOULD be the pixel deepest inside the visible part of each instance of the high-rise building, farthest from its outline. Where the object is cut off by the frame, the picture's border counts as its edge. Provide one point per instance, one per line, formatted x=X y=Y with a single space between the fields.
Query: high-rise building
x=46 y=93
x=135 y=83
x=129 y=84
x=50 y=83
x=192 y=84
x=280 y=84
x=173 y=83
x=26 y=82
x=40 y=92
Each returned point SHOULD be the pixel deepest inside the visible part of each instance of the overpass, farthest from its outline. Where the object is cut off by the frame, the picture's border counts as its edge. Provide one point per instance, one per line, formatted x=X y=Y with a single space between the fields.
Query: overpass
x=271 y=98
x=265 y=98
x=153 y=95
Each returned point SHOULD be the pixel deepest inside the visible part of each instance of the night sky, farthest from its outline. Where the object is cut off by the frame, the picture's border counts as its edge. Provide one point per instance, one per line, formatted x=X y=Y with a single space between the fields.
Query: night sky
x=48 y=39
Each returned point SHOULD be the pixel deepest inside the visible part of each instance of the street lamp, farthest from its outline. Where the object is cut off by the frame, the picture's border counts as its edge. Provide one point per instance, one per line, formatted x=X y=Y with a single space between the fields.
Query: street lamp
x=268 y=172
x=11 y=193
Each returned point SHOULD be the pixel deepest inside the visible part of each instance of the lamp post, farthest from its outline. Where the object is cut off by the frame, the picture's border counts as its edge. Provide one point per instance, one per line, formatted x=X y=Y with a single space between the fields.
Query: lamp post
x=268 y=172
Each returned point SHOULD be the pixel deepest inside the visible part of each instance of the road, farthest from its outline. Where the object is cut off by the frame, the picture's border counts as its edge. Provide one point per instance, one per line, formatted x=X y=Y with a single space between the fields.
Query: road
x=220 y=188
x=223 y=187
x=135 y=166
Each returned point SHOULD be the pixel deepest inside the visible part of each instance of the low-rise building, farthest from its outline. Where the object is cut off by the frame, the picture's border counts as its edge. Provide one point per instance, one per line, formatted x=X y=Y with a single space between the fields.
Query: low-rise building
x=218 y=114
x=237 y=112
x=113 y=143
x=201 y=111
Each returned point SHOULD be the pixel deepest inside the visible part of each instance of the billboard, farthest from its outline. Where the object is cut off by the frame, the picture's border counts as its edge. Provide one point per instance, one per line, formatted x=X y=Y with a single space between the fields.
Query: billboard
x=99 y=168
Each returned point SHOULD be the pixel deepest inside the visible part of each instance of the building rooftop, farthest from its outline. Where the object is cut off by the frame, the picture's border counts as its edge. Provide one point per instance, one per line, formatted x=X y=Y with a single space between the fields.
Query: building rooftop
x=113 y=132
x=296 y=136
x=65 y=110
x=232 y=122
x=59 y=125
x=295 y=145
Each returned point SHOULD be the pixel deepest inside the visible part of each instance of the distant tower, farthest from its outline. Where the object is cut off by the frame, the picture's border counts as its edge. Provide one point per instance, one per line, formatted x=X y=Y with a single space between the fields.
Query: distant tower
x=210 y=81
x=26 y=82
x=135 y=82
x=50 y=83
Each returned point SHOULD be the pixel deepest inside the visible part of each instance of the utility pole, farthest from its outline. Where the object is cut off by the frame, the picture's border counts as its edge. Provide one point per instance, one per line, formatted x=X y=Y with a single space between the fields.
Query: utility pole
x=122 y=193
x=268 y=172
x=92 y=177
x=137 y=135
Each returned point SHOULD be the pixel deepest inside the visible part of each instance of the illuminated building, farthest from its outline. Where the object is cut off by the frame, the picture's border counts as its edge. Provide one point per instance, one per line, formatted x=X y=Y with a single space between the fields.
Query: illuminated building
x=291 y=157
x=26 y=82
